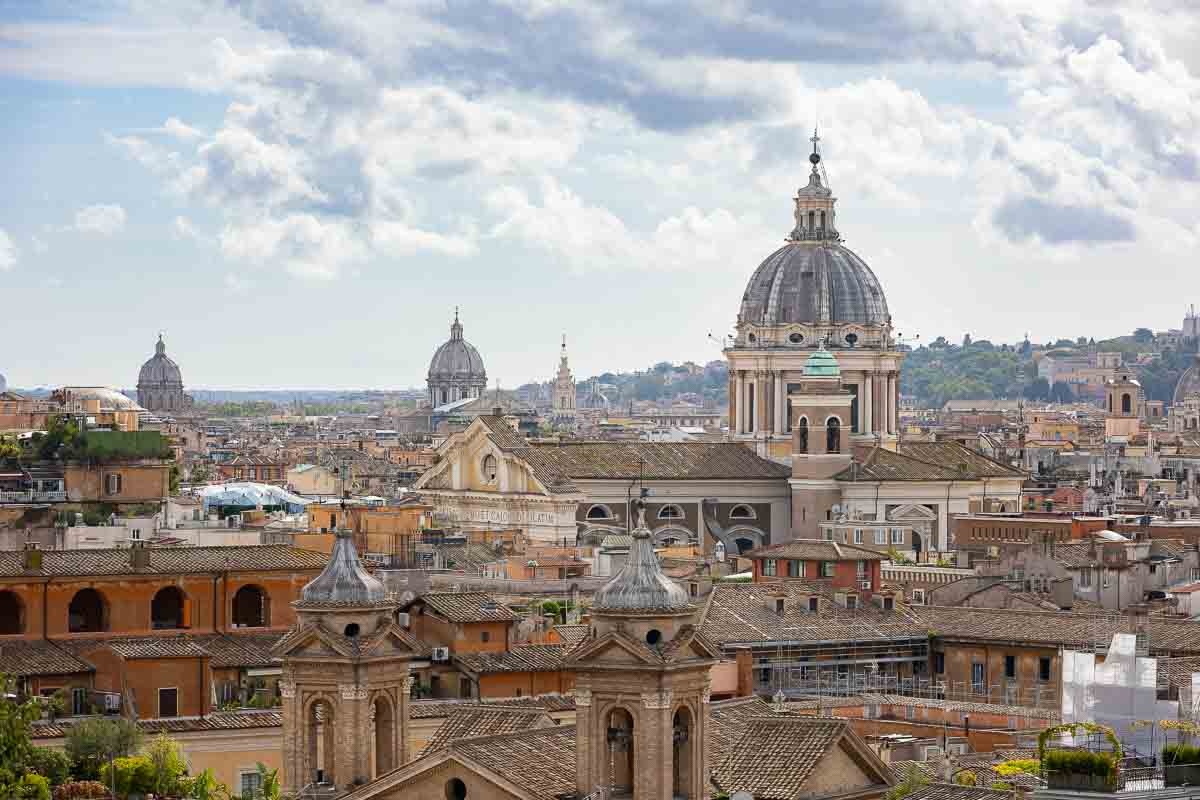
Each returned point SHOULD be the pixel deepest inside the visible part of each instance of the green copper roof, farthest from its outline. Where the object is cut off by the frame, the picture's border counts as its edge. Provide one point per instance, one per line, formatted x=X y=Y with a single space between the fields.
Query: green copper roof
x=822 y=364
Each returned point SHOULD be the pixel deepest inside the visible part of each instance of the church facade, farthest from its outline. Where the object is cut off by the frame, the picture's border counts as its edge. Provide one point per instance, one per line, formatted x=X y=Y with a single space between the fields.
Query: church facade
x=812 y=292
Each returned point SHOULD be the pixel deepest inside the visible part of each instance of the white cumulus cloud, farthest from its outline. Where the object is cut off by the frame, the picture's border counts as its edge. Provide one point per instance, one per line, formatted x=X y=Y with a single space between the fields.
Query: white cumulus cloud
x=102 y=219
x=8 y=252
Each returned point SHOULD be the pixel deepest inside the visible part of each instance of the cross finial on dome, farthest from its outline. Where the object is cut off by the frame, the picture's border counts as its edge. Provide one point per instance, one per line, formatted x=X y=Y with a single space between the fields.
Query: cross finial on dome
x=160 y=346
x=456 y=327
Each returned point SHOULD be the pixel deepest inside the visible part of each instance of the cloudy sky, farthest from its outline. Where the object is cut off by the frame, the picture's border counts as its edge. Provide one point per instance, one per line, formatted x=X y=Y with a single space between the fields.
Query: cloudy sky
x=300 y=192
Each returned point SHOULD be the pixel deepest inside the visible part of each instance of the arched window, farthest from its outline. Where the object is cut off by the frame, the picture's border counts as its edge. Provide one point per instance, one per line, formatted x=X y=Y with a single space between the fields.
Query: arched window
x=620 y=751
x=489 y=468
x=742 y=511
x=168 y=609
x=670 y=511
x=88 y=612
x=251 y=608
x=812 y=220
x=682 y=767
x=12 y=613
x=385 y=737
x=833 y=435
x=321 y=736
x=744 y=545
x=599 y=511
x=802 y=436
x=444 y=400
x=1126 y=404
x=456 y=789
x=822 y=220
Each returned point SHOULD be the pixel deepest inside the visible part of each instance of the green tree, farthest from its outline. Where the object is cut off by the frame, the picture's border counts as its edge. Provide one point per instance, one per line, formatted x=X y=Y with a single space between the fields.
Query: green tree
x=128 y=775
x=15 y=719
x=51 y=764
x=206 y=787
x=167 y=764
x=59 y=438
x=9 y=448
x=269 y=788
x=93 y=743
x=913 y=780
x=200 y=473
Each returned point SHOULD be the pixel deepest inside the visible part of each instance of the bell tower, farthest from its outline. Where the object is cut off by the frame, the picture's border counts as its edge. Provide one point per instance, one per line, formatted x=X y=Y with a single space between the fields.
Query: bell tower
x=642 y=687
x=1122 y=406
x=820 y=410
x=345 y=682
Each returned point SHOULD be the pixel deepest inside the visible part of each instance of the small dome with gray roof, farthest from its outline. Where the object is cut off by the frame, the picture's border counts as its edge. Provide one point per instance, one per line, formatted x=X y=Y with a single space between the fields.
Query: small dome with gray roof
x=641 y=584
x=344 y=581
x=456 y=371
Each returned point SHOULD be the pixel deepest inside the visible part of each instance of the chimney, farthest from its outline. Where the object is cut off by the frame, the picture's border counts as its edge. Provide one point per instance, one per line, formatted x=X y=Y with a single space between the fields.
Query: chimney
x=745 y=671
x=31 y=557
x=139 y=556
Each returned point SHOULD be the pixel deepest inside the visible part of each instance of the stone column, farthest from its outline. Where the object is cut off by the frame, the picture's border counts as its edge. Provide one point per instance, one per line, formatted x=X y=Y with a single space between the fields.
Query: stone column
x=761 y=401
x=780 y=403
x=893 y=401
x=864 y=404
x=743 y=407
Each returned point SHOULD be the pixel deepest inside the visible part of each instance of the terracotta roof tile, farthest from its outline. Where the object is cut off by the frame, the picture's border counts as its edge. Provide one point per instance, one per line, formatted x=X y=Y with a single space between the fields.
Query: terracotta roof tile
x=436 y=709
x=167 y=560
x=244 y=719
x=775 y=756
x=522 y=658
x=816 y=550
x=27 y=657
x=660 y=461
x=465 y=607
x=469 y=722
x=738 y=612
x=540 y=761
x=572 y=634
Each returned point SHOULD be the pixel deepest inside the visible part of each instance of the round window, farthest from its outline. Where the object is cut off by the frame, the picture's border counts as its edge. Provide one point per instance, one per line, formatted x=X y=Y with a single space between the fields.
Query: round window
x=752 y=337
x=851 y=339
x=352 y=630
x=796 y=338
x=653 y=637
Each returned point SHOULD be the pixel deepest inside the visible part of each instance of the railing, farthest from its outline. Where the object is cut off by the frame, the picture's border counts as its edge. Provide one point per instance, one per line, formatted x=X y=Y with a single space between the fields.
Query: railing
x=33 y=497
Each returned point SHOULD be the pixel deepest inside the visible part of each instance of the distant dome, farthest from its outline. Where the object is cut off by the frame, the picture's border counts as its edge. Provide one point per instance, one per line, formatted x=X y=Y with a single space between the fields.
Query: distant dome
x=457 y=359
x=641 y=584
x=814 y=282
x=160 y=370
x=110 y=399
x=344 y=581
x=3 y=383
x=1189 y=383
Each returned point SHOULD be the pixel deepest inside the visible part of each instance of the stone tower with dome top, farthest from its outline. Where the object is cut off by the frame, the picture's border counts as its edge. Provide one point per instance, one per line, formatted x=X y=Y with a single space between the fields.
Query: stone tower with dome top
x=812 y=291
x=456 y=371
x=160 y=383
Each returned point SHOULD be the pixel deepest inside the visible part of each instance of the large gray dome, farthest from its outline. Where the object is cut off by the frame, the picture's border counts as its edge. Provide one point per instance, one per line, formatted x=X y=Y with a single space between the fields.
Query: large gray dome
x=160 y=370
x=1189 y=382
x=813 y=282
x=457 y=359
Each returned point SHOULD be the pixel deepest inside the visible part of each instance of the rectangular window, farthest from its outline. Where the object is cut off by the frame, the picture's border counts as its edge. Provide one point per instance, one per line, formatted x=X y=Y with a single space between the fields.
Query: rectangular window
x=795 y=569
x=168 y=702
x=1044 y=669
x=858 y=536
x=861 y=570
x=1085 y=577
x=768 y=567
x=1104 y=577
x=880 y=536
x=1010 y=666
x=897 y=535
x=79 y=700
x=976 y=677
x=828 y=568
x=918 y=597
x=813 y=604
x=485 y=636
x=251 y=784
x=829 y=534
x=851 y=601
x=888 y=604
x=939 y=663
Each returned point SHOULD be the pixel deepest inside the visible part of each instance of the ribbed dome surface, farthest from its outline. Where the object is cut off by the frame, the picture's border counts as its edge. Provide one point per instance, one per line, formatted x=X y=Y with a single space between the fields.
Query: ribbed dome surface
x=641 y=583
x=457 y=358
x=1189 y=382
x=160 y=369
x=344 y=582
x=813 y=282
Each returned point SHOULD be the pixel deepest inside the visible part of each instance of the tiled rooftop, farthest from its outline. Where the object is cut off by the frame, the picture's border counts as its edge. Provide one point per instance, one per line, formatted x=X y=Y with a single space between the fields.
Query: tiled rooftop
x=468 y=722
x=816 y=550
x=166 y=561
x=521 y=658
x=465 y=607
x=26 y=657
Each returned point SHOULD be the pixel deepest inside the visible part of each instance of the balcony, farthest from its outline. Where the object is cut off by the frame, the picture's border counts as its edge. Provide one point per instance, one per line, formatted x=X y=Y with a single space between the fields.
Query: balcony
x=33 y=497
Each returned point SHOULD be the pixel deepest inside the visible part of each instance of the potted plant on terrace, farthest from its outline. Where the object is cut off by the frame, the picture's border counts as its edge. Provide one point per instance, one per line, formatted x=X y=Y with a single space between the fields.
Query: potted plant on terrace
x=1080 y=769
x=1181 y=764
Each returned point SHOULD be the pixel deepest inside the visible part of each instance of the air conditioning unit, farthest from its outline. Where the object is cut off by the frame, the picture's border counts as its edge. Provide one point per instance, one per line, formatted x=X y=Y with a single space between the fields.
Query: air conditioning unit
x=864 y=584
x=932 y=753
x=403 y=619
x=958 y=749
x=441 y=654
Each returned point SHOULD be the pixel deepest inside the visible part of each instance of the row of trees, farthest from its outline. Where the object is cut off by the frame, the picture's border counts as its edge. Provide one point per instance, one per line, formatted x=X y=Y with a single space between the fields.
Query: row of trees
x=103 y=758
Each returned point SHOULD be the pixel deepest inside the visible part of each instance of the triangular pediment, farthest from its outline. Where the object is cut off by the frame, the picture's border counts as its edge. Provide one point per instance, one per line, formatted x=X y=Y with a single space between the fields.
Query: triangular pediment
x=310 y=642
x=612 y=648
x=911 y=512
